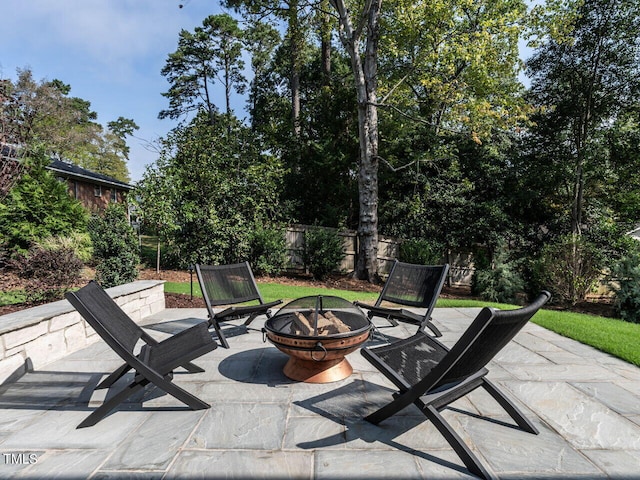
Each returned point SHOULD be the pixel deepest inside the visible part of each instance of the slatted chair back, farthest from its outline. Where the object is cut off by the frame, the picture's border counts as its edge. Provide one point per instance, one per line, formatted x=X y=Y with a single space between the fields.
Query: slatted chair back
x=106 y=318
x=228 y=284
x=489 y=333
x=413 y=285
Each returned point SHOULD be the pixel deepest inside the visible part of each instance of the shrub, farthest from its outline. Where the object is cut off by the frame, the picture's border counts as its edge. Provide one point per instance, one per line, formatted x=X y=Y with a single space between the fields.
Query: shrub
x=51 y=272
x=627 y=287
x=323 y=251
x=500 y=282
x=38 y=206
x=79 y=242
x=569 y=268
x=268 y=251
x=115 y=247
x=421 y=252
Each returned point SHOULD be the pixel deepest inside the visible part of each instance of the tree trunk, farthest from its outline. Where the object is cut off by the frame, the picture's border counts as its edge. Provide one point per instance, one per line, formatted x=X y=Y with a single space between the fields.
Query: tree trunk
x=365 y=77
x=295 y=46
x=325 y=41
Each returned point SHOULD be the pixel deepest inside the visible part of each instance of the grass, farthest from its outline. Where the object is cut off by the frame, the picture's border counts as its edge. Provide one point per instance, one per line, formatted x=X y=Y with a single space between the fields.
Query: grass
x=13 y=297
x=274 y=291
x=609 y=335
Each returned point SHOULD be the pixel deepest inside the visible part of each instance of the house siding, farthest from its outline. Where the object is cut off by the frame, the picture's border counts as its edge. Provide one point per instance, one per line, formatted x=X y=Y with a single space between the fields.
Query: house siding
x=85 y=193
x=94 y=191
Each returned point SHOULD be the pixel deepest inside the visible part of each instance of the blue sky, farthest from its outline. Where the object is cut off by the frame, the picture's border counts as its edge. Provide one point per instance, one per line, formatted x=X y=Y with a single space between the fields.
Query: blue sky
x=109 y=51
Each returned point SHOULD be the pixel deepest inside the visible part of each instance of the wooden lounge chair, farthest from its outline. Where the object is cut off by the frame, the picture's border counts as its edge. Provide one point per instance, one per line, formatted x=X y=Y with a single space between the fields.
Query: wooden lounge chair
x=231 y=285
x=431 y=376
x=413 y=286
x=155 y=361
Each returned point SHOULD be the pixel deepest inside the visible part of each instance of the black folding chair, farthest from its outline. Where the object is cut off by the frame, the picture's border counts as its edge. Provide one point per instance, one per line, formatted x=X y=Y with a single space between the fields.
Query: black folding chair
x=431 y=376
x=232 y=284
x=155 y=361
x=414 y=286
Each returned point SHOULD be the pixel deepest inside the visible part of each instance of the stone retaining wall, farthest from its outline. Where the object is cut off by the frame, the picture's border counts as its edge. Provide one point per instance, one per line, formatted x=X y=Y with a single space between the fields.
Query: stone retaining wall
x=32 y=338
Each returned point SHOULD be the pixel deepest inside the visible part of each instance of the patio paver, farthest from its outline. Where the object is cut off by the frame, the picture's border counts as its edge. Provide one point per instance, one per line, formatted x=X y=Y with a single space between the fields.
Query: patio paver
x=585 y=403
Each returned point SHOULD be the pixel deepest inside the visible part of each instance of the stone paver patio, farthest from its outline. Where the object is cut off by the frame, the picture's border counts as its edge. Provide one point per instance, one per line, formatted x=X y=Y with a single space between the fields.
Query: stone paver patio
x=586 y=405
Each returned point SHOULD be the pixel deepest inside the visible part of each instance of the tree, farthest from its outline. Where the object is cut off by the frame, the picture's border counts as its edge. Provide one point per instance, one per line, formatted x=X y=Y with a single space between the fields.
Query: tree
x=66 y=126
x=584 y=82
x=110 y=152
x=364 y=69
x=210 y=190
x=261 y=39
x=293 y=13
x=211 y=51
x=38 y=207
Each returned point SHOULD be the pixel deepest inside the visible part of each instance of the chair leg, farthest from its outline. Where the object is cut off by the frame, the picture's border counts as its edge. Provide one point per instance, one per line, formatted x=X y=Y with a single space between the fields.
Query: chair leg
x=185 y=397
x=221 y=337
x=399 y=402
x=104 y=409
x=392 y=321
x=251 y=318
x=514 y=412
x=192 y=368
x=429 y=324
x=466 y=455
x=114 y=377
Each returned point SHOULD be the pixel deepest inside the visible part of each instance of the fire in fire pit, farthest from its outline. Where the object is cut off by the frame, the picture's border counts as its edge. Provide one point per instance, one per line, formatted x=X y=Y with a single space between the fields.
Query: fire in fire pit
x=317 y=333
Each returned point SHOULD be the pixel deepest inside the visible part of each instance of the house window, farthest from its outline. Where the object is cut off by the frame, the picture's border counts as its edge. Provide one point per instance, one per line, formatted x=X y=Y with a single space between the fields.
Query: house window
x=114 y=195
x=97 y=191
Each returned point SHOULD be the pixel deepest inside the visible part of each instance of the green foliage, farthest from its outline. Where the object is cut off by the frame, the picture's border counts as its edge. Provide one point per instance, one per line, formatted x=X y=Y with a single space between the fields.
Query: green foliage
x=569 y=268
x=323 y=251
x=501 y=282
x=210 y=190
x=66 y=126
x=626 y=284
x=79 y=242
x=585 y=82
x=212 y=51
x=38 y=207
x=115 y=247
x=421 y=252
x=268 y=254
x=51 y=272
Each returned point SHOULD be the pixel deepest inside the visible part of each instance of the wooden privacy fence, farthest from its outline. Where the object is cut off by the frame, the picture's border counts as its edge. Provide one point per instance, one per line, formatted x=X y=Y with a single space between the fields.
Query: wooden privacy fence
x=460 y=273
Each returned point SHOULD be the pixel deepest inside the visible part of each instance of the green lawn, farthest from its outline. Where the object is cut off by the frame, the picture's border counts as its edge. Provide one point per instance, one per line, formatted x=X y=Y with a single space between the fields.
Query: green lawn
x=612 y=336
x=274 y=291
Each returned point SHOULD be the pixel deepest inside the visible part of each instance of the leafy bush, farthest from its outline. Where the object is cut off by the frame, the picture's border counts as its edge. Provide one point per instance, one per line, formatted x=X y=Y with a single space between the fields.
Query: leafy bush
x=37 y=207
x=51 y=272
x=421 y=252
x=115 y=247
x=323 y=251
x=627 y=287
x=268 y=251
x=79 y=242
x=500 y=282
x=569 y=268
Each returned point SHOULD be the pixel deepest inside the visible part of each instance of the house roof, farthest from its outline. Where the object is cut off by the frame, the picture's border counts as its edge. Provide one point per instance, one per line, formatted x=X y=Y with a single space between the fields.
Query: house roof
x=74 y=171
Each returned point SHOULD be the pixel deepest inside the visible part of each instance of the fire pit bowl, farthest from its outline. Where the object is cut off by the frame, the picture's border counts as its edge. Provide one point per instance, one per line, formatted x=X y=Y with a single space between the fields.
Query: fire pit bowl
x=317 y=333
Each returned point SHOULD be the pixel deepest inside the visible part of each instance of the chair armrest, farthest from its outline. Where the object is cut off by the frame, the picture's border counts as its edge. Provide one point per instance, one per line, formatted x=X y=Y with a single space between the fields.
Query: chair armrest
x=246 y=310
x=180 y=348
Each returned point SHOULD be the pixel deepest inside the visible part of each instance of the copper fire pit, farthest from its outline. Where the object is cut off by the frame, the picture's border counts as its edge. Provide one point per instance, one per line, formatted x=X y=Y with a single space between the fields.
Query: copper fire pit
x=317 y=333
